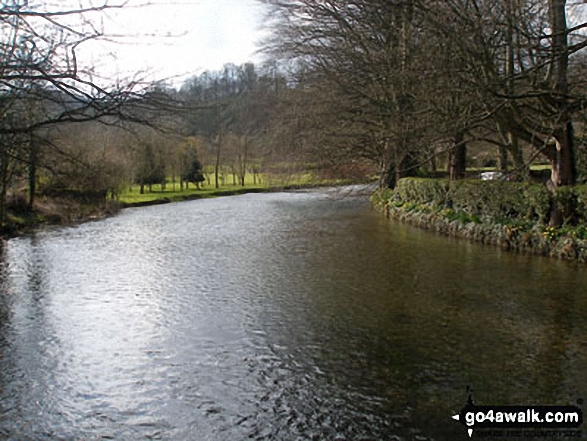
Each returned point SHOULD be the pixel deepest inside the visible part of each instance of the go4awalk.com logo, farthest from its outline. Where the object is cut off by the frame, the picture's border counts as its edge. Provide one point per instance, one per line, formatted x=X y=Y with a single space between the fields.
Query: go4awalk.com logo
x=534 y=420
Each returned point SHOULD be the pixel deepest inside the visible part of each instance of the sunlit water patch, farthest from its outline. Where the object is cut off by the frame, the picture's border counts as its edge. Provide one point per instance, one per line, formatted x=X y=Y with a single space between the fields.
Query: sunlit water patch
x=285 y=316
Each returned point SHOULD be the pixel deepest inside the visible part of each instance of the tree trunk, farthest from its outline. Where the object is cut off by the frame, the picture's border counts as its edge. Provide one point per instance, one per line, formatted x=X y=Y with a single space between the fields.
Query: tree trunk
x=560 y=54
x=458 y=158
x=503 y=159
x=513 y=147
x=386 y=168
x=562 y=161
x=562 y=157
x=217 y=164
x=32 y=178
x=244 y=163
x=400 y=161
x=401 y=164
x=3 y=184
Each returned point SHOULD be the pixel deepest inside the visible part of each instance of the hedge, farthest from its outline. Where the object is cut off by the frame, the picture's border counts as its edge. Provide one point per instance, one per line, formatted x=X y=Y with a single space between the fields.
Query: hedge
x=423 y=191
x=493 y=201
x=508 y=214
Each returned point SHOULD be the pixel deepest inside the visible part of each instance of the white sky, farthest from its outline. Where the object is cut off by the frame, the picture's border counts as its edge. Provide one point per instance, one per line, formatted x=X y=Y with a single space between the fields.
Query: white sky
x=176 y=38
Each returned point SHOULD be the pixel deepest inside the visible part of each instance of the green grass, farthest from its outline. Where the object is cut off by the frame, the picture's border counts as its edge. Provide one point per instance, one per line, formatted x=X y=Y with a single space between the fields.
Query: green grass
x=539 y=167
x=490 y=169
x=132 y=195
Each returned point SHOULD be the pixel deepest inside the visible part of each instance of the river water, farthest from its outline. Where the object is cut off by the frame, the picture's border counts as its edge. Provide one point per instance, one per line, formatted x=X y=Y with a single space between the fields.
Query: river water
x=285 y=316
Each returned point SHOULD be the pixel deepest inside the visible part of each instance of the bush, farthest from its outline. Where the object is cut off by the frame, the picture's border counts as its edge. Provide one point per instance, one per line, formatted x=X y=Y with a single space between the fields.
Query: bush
x=382 y=197
x=539 y=201
x=511 y=215
x=565 y=199
x=495 y=201
x=423 y=191
x=581 y=193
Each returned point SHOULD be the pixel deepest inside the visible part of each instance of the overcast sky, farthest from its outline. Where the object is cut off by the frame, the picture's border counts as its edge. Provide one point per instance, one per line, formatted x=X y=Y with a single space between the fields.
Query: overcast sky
x=177 y=38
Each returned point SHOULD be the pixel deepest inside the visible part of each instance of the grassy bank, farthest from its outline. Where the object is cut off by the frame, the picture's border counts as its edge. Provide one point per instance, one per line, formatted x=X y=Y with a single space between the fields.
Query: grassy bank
x=132 y=197
x=511 y=215
x=55 y=211
x=69 y=210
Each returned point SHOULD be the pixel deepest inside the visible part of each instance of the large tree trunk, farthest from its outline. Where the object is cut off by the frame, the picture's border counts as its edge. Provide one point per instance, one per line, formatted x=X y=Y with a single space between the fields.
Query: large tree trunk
x=32 y=175
x=562 y=157
x=398 y=169
x=562 y=160
x=3 y=183
x=503 y=159
x=560 y=45
x=563 y=171
x=514 y=149
x=458 y=158
x=407 y=166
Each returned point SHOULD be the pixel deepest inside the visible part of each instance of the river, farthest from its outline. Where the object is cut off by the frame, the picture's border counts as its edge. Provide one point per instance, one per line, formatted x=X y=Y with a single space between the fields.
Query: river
x=279 y=316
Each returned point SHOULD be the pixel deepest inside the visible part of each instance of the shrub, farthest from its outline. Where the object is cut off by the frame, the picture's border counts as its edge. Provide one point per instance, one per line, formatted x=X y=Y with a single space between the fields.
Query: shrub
x=423 y=191
x=565 y=199
x=539 y=201
x=494 y=201
x=581 y=192
x=382 y=197
x=497 y=200
x=508 y=214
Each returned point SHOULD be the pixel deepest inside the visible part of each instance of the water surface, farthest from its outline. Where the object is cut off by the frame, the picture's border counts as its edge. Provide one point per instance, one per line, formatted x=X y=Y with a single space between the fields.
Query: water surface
x=283 y=316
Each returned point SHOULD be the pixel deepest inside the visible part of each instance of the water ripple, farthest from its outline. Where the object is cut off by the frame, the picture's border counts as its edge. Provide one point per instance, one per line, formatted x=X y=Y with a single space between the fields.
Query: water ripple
x=272 y=316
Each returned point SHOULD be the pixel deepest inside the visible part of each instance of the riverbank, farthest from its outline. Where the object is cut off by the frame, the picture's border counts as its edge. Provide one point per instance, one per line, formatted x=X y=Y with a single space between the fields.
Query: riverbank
x=51 y=211
x=162 y=198
x=509 y=215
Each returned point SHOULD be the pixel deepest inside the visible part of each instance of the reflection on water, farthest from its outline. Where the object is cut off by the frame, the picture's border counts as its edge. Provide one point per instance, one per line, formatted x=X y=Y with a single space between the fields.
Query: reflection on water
x=276 y=316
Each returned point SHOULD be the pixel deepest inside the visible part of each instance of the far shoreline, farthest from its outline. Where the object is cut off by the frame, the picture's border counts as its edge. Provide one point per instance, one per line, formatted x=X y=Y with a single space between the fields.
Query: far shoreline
x=28 y=223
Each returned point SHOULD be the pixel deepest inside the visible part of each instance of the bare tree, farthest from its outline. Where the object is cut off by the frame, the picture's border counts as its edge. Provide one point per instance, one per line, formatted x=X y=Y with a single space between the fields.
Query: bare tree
x=42 y=84
x=414 y=73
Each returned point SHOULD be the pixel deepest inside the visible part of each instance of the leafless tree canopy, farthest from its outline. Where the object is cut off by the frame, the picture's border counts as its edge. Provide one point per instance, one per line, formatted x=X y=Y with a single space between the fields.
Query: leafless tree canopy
x=43 y=86
x=417 y=78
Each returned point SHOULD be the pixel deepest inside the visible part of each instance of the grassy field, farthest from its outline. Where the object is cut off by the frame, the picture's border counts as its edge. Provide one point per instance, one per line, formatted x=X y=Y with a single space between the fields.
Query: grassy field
x=132 y=196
